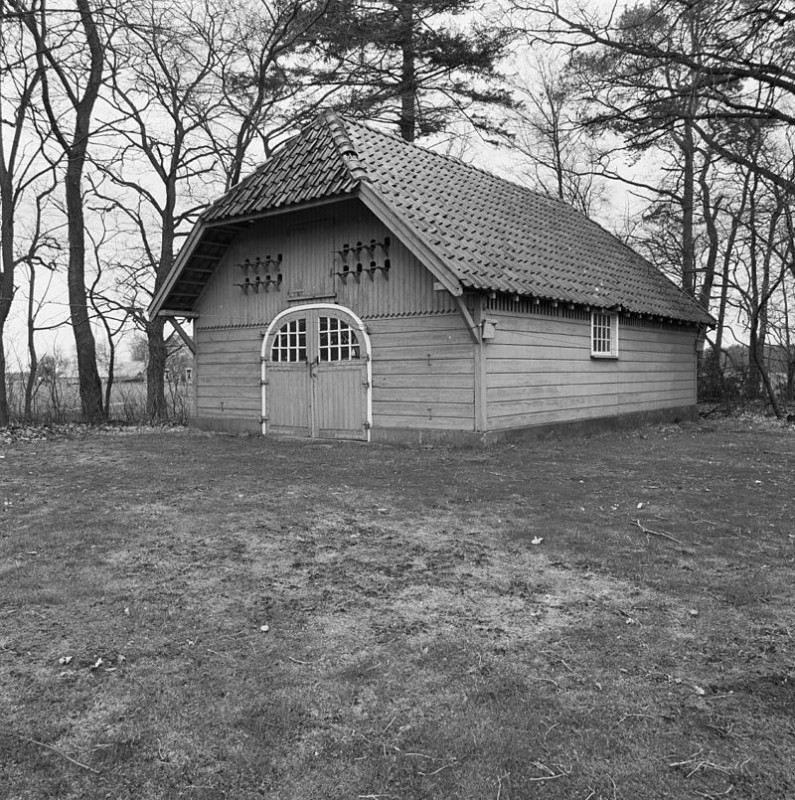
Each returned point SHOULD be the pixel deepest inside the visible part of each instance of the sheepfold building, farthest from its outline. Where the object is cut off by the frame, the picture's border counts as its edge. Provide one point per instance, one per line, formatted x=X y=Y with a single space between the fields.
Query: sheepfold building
x=357 y=286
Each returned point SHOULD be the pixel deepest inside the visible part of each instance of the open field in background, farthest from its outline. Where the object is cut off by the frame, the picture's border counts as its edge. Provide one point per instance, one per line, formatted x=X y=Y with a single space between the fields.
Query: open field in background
x=207 y=616
x=58 y=402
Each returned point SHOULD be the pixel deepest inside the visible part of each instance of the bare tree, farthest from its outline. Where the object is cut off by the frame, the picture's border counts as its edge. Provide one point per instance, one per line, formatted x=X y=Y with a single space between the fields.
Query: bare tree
x=266 y=79
x=20 y=164
x=156 y=153
x=562 y=160
x=750 y=223
x=42 y=252
x=109 y=310
x=70 y=55
x=742 y=69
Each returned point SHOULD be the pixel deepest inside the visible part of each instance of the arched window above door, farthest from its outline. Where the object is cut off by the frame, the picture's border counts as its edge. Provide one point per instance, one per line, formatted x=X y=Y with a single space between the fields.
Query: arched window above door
x=289 y=343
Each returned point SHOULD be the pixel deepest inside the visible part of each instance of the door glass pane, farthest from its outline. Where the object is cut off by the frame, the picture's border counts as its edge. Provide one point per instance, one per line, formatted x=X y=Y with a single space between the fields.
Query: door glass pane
x=289 y=344
x=337 y=341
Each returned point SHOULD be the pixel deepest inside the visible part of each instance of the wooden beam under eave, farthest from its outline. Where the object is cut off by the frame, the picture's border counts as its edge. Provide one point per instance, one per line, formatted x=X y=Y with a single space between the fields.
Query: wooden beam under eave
x=171 y=312
x=183 y=334
x=214 y=259
x=474 y=328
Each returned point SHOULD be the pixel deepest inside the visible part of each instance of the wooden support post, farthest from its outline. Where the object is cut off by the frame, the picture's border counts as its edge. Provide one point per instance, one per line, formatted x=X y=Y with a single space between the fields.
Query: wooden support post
x=474 y=327
x=183 y=334
x=480 y=364
x=475 y=324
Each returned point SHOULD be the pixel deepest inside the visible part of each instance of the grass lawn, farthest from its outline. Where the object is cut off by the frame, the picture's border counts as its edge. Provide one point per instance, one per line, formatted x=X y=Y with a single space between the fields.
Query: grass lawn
x=207 y=616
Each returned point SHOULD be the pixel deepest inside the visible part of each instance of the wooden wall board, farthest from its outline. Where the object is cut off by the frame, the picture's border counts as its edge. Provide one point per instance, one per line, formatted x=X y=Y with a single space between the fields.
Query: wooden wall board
x=413 y=382
x=454 y=367
x=423 y=395
x=539 y=370
x=498 y=397
x=397 y=420
x=423 y=371
x=558 y=377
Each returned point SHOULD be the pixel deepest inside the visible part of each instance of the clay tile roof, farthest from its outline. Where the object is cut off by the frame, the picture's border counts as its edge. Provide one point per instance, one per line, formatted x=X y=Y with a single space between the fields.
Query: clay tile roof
x=489 y=233
x=310 y=166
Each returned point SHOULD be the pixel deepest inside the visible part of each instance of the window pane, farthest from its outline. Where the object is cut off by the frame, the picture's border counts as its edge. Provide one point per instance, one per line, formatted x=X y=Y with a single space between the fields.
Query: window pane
x=602 y=334
x=289 y=343
x=337 y=340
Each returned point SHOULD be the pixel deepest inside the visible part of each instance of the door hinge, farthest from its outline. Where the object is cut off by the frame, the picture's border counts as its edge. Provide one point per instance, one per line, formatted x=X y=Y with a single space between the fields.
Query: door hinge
x=264 y=419
x=264 y=383
x=367 y=425
x=366 y=384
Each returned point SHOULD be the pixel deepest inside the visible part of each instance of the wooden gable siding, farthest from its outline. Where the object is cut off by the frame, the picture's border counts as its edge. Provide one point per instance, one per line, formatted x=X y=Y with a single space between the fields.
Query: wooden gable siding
x=309 y=242
x=539 y=369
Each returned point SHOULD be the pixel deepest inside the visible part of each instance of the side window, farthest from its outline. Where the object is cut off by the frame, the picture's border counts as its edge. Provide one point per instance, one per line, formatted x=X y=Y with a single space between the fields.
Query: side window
x=604 y=335
x=337 y=341
x=289 y=344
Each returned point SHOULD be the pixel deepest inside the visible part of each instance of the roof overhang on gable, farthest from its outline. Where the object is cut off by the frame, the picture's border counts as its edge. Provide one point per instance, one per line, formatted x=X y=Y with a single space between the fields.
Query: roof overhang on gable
x=195 y=263
x=208 y=241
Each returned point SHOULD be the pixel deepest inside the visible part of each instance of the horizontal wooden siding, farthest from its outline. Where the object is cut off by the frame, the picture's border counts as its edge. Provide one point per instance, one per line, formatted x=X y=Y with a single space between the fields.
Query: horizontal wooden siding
x=228 y=374
x=423 y=374
x=539 y=369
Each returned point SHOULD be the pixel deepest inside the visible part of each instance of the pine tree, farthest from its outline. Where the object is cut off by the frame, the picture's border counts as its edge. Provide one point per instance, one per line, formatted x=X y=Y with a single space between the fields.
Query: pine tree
x=413 y=63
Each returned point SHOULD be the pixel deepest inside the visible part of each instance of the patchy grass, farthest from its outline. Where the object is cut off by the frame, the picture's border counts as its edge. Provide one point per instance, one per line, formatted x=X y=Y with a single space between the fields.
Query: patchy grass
x=184 y=615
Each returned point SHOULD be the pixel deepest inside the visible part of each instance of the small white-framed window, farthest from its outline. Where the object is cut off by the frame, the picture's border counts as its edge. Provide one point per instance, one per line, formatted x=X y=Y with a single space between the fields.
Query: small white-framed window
x=604 y=335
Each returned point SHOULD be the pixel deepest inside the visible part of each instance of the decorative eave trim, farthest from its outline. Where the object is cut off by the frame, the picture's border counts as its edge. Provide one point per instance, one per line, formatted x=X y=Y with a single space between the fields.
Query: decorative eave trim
x=408 y=235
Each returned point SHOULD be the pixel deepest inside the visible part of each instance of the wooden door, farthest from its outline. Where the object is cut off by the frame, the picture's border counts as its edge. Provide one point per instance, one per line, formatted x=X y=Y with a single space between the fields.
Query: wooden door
x=316 y=375
x=287 y=390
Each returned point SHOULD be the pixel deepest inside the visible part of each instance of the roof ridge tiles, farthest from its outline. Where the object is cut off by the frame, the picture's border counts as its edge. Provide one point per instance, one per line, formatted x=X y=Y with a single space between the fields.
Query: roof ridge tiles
x=344 y=145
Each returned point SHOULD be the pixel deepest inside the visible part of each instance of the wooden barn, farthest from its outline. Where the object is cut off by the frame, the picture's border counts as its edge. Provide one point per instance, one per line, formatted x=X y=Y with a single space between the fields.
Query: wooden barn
x=356 y=286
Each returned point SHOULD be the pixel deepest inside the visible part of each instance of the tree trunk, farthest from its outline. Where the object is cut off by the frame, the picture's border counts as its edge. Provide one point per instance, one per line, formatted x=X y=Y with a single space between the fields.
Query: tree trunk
x=6 y=276
x=688 y=213
x=408 y=80
x=33 y=356
x=85 y=346
x=761 y=370
x=156 y=407
x=5 y=417
x=111 y=370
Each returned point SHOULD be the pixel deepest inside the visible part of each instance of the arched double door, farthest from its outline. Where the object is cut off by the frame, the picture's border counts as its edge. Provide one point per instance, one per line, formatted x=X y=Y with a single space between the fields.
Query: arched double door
x=316 y=374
